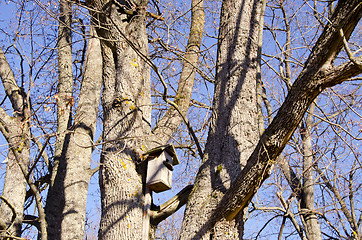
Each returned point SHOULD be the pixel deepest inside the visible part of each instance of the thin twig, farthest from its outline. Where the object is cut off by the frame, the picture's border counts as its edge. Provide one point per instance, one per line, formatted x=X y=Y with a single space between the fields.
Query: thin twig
x=38 y=157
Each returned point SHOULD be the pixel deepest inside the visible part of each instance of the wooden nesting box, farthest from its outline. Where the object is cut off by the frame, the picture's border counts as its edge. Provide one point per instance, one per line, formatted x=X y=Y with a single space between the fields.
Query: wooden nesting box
x=160 y=166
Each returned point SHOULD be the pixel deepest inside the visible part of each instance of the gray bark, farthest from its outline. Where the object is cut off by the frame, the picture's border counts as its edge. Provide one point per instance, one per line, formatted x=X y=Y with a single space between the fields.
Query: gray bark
x=65 y=82
x=15 y=184
x=66 y=201
x=16 y=131
x=312 y=228
x=55 y=198
x=234 y=126
x=318 y=74
x=78 y=155
x=126 y=105
x=172 y=119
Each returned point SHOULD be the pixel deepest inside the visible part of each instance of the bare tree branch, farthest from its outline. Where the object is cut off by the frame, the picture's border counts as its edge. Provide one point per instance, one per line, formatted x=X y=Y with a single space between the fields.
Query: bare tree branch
x=336 y=193
x=32 y=220
x=317 y=75
x=13 y=91
x=171 y=206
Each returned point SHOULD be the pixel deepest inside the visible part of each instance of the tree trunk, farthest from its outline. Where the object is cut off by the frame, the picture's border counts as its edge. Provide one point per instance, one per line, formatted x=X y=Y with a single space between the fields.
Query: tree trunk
x=234 y=127
x=127 y=105
x=15 y=183
x=55 y=198
x=127 y=112
x=164 y=129
x=78 y=155
x=312 y=228
x=16 y=131
x=65 y=83
x=318 y=74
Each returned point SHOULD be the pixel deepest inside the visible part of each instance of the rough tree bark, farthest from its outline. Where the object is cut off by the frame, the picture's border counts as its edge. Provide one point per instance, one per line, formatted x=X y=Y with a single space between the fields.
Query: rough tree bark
x=81 y=140
x=66 y=200
x=127 y=105
x=16 y=131
x=234 y=127
x=318 y=74
x=127 y=115
x=55 y=198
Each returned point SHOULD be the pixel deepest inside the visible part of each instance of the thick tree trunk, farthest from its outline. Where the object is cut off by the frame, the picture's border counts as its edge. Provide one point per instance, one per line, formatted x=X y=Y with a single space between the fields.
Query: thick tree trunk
x=16 y=131
x=234 y=127
x=15 y=183
x=127 y=105
x=78 y=155
x=127 y=111
x=55 y=199
x=65 y=83
x=317 y=75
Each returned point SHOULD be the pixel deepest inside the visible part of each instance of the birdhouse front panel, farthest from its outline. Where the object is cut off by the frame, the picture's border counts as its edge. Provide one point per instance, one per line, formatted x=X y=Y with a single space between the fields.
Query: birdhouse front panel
x=159 y=172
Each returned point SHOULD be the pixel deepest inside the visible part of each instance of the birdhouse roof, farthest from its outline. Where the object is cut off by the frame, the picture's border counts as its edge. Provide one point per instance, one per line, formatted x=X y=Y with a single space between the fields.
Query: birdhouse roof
x=169 y=148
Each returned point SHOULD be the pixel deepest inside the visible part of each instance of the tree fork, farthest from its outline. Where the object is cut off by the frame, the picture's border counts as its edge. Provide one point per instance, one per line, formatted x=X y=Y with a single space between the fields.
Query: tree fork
x=306 y=88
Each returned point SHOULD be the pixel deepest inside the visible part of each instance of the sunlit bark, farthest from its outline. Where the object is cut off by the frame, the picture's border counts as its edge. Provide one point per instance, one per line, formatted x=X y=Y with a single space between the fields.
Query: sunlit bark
x=317 y=75
x=234 y=127
x=16 y=131
x=64 y=99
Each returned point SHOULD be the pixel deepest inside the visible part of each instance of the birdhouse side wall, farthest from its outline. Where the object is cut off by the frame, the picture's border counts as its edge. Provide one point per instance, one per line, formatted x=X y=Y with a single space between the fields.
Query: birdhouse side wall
x=159 y=177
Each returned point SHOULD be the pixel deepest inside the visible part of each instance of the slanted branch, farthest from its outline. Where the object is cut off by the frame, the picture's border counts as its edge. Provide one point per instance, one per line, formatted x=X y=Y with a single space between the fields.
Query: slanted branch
x=160 y=213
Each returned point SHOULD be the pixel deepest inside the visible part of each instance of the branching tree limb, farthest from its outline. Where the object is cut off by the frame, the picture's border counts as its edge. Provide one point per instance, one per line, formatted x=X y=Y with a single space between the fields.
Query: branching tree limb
x=177 y=113
x=317 y=75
